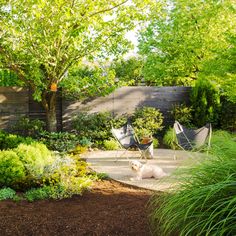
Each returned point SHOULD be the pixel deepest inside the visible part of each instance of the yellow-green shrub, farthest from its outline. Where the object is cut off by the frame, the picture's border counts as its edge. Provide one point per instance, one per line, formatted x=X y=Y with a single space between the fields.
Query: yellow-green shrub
x=111 y=144
x=34 y=158
x=24 y=166
x=12 y=169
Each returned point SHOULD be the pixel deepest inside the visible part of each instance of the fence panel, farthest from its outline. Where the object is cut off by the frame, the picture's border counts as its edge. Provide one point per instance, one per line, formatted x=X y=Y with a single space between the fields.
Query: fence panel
x=126 y=99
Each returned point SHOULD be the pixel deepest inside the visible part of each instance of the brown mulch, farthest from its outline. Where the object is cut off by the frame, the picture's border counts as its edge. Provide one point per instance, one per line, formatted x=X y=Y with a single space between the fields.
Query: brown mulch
x=109 y=208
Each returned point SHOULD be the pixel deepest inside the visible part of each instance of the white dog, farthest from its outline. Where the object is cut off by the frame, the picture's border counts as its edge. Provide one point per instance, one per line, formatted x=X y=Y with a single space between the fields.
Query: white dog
x=144 y=171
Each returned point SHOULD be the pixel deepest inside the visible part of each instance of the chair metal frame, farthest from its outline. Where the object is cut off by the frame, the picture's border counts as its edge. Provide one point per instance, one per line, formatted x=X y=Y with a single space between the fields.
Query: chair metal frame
x=129 y=132
x=193 y=149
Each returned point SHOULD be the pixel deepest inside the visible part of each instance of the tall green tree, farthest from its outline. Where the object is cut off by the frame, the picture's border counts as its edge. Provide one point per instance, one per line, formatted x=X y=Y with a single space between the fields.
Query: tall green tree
x=222 y=69
x=129 y=70
x=40 y=40
x=178 y=42
x=89 y=81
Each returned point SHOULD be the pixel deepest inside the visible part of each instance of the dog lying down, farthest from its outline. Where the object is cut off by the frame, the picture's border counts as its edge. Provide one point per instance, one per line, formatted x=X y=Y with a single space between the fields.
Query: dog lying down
x=144 y=171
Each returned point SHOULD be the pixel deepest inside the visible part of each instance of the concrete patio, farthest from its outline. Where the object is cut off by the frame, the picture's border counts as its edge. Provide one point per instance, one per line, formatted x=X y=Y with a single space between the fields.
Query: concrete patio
x=104 y=162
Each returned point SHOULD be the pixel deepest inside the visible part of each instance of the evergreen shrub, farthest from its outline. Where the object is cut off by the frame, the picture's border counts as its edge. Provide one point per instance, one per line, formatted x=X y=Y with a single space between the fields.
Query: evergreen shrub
x=205 y=102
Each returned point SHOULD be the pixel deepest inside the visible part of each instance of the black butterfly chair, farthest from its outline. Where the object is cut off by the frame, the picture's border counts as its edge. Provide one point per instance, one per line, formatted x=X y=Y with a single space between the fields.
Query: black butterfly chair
x=127 y=139
x=193 y=139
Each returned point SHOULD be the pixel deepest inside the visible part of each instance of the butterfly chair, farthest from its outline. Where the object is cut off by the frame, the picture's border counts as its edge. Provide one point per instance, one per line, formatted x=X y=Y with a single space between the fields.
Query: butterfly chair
x=192 y=139
x=127 y=139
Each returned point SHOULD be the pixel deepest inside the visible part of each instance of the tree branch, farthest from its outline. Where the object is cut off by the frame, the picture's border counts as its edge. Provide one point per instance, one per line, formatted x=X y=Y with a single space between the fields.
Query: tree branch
x=107 y=9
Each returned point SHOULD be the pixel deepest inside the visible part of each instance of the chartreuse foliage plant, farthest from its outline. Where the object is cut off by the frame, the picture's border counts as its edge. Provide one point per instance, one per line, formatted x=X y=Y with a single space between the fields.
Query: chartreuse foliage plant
x=111 y=144
x=147 y=121
x=42 y=173
x=60 y=190
x=24 y=166
x=205 y=201
x=182 y=113
x=65 y=177
x=34 y=158
x=12 y=169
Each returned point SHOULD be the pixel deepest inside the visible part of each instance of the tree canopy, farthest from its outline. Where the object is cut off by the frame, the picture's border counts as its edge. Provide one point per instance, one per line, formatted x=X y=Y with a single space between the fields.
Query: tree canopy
x=129 y=70
x=40 y=40
x=222 y=69
x=181 y=44
x=88 y=81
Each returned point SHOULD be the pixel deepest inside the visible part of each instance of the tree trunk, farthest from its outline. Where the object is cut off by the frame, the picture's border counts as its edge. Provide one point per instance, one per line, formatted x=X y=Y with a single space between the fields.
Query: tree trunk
x=49 y=103
x=51 y=120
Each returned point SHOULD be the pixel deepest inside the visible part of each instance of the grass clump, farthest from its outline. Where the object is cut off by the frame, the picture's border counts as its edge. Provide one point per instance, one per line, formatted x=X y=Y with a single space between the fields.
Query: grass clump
x=223 y=144
x=170 y=139
x=205 y=202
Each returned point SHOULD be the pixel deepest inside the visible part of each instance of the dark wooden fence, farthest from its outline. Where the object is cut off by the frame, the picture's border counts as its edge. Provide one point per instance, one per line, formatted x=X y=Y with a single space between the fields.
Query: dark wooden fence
x=18 y=102
x=13 y=105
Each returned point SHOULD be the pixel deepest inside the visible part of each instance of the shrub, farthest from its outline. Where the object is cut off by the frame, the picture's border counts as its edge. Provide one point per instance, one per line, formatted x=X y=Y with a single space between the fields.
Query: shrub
x=7 y=193
x=24 y=165
x=182 y=113
x=205 y=100
x=170 y=139
x=60 y=141
x=63 y=168
x=60 y=190
x=12 y=170
x=228 y=115
x=85 y=142
x=10 y=141
x=34 y=165
x=27 y=127
x=111 y=144
x=38 y=193
x=62 y=179
x=147 y=121
x=75 y=185
x=120 y=121
x=208 y=192
x=79 y=149
x=97 y=126
x=34 y=158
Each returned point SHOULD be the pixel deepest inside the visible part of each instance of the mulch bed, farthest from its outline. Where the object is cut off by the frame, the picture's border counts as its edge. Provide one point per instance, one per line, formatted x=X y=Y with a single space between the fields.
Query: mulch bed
x=110 y=208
